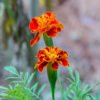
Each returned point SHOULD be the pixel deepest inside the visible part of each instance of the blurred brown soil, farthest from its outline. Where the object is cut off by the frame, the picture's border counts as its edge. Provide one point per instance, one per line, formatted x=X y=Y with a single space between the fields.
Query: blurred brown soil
x=81 y=36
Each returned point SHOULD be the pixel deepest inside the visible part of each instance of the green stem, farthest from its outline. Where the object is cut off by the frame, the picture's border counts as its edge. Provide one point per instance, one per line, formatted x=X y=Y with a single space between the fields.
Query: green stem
x=48 y=5
x=52 y=74
x=48 y=40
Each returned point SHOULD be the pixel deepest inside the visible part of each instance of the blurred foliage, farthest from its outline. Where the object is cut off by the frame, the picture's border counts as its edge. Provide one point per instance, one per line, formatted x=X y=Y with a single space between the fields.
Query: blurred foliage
x=16 y=22
x=16 y=27
x=8 y=25
x=20 y=87
x=42 y=2
x=49 y=5
x=76 y=90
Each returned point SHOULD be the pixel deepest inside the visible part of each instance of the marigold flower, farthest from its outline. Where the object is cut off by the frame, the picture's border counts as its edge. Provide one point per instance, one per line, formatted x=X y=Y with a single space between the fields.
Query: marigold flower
x=46 y=23
x=52 y=55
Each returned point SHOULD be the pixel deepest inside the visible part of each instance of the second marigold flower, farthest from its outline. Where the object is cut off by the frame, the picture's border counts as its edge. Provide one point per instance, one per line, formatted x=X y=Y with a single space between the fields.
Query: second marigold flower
x=52 y=55
x=46 y=23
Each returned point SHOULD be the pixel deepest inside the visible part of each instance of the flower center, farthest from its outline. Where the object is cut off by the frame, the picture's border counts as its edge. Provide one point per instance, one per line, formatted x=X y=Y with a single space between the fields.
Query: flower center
x=53 y=56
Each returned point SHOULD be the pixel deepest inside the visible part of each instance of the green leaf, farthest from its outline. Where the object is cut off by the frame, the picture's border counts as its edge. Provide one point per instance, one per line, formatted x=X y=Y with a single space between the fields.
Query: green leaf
x=41 y=89
x=3 y=94
x=30 y=79
x=21 y=75
x=10 y=87
x=34 y=87
x=71 y=73
x=70 y=80
x=77 y=77
x=11 y=77
x=19 y=89
x=11 y=69
x=26 y=77
x=3 y=88
x=91 y=97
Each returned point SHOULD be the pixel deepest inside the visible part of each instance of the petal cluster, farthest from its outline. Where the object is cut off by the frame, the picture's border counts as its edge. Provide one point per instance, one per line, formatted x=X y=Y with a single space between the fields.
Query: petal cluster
x=52 y=55
x=46 y=23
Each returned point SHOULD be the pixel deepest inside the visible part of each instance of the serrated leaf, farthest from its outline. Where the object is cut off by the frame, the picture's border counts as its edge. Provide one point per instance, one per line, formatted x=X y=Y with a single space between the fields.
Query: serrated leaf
x=10 y=87
x=70 y=80
x=11 y=69
x=85 y=90
x=71 y=73
x=3 y=88
x=26 y=77
x=3 y=94
x=15 y=82
x=30 y=79
x=11 y=77
x=34 y=87
x=77 y=76
x=91 y=97
x=41 y=89
x=21 y=75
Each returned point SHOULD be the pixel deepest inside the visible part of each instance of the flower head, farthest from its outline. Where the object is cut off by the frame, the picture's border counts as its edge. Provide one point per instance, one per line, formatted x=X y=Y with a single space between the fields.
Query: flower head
x=51 y=55
x=46 y=23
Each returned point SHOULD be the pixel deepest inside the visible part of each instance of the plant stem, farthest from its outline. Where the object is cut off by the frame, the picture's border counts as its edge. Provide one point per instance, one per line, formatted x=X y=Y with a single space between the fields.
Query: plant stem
x=52 y=74
x=48 y=41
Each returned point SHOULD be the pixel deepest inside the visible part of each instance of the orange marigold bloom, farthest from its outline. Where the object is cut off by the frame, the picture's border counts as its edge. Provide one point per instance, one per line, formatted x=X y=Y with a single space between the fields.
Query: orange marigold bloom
x=53 y=55
x=46 y=23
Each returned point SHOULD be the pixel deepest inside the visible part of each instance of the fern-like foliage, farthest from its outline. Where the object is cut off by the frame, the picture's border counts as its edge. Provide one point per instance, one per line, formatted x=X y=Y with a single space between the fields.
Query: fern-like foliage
x=19 y=87
x=76 y=90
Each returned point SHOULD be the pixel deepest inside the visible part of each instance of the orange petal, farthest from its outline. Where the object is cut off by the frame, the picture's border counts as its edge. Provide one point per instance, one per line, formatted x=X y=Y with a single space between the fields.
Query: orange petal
x=47 y=48
x=52 y=32
x=33 y=25
x=63 y=54
x=40 y=54
x=44 y=58
x=35 y=40
x=54 y=22
x=41 y=66
x=55 y=65
x=58 y=29
x=65 y=62
x=49 y=13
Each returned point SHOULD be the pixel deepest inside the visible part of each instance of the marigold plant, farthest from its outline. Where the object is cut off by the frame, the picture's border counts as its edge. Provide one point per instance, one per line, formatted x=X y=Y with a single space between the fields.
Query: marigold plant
x=48 y=26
